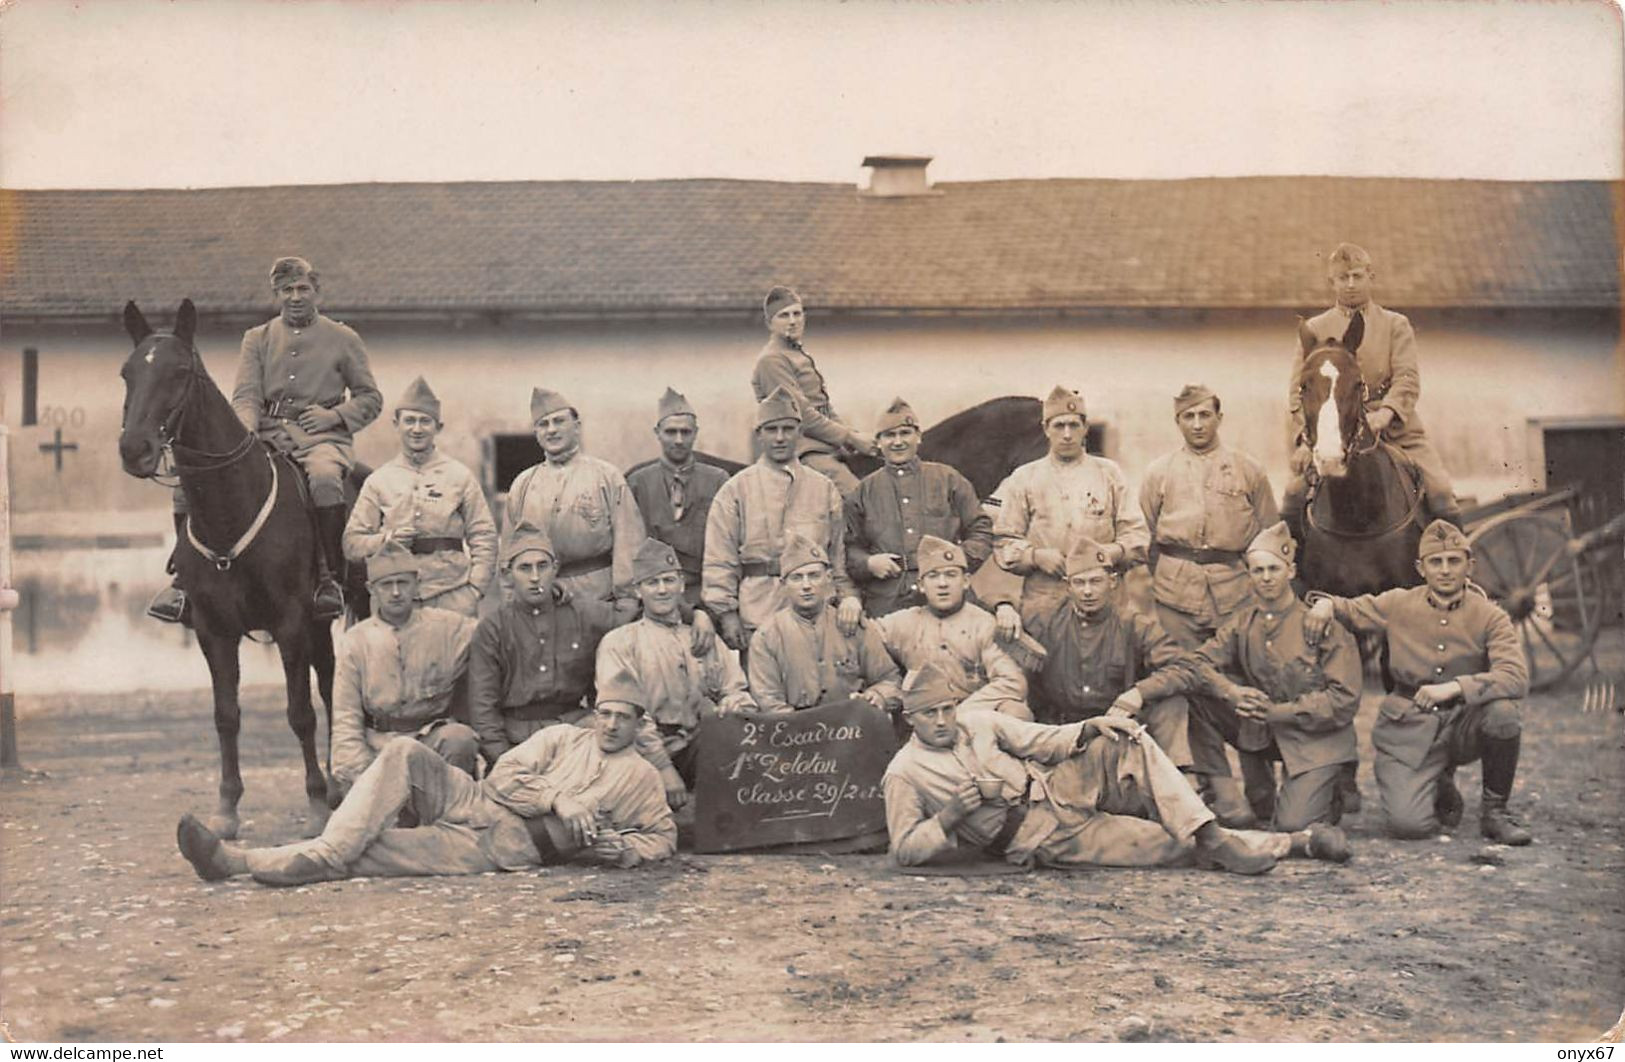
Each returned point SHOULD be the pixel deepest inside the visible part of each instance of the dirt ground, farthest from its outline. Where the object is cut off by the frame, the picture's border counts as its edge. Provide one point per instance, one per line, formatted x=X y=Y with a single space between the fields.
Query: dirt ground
x=105 y=934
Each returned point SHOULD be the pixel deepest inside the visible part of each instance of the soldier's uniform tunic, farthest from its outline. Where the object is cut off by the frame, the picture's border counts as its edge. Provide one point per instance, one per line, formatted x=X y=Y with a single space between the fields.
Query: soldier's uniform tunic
x=897 y=505
x=1470 y=641
x=283 y=369
x=1047 y=504
x=1316 y=693
x=751 y=517
x=784 y=363
x=590 y=516
x=1115 y=803
x=675 y=503
x=443 y=502
x=399 y=681
x=1387 y=360
x=1202 y=511
x=964 y=648
x=798 y=663
x=679 y=687
x=1093 y=660
x=471 y=827
x=530 y=666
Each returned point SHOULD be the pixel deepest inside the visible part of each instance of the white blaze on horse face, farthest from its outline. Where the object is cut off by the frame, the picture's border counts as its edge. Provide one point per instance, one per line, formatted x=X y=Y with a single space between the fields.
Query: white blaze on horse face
x=1328 y=431
x=148 y=358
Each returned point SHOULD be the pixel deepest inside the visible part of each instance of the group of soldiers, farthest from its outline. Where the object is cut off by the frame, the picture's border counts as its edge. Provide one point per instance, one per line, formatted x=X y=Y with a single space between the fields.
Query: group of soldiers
x=1047 y=718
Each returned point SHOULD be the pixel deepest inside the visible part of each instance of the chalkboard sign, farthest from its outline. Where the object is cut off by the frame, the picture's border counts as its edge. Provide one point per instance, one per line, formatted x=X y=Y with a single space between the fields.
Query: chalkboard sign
x=768 y=779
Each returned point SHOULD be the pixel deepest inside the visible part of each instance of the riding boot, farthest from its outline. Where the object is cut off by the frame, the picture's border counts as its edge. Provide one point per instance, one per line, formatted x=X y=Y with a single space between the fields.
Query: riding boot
x=170 y=603
x=1500 y=762
x=330 y=557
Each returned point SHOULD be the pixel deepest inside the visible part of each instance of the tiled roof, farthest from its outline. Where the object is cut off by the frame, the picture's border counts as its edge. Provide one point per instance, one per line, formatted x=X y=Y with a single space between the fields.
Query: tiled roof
x=716 y=245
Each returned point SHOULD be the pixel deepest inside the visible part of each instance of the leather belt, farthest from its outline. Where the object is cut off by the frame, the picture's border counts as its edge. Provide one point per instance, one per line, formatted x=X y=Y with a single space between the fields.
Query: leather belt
x=1007 y=833
x=755 y=569
x=435 y=545
x=1200 y=556
x=586 y=566
x=392 y=726
x=286 y=408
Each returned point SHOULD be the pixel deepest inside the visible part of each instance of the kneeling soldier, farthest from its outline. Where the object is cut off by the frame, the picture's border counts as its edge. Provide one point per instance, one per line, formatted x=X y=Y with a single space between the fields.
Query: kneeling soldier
x=800 y=658
x=1459 y=674
x=1092 y=793
x=681 y=683
x=1296 y=700
x=399 y=673
x=567 y=794
x=958 y=637
x=1102 y=658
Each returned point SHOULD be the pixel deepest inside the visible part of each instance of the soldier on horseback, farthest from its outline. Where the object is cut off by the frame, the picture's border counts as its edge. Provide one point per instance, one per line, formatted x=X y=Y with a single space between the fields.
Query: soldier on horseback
x=1385 y=346
x=305 y=386
x=784 y=363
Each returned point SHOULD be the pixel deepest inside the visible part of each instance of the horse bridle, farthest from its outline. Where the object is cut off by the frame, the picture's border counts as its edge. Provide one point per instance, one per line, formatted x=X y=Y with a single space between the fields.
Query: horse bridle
x=170 y=427
x=1354 y=449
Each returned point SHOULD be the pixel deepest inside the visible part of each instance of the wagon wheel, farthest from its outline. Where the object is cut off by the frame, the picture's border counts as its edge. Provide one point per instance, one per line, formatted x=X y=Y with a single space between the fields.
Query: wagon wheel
x=1554 y=593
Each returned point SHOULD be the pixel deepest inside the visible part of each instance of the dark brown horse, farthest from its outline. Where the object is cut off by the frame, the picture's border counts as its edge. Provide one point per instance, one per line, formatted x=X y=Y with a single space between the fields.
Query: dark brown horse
x=1361 y=522
x=248 y=558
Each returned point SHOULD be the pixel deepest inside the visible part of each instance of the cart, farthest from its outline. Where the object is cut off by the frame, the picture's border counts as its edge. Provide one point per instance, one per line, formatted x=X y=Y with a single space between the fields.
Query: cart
x=1560 y=586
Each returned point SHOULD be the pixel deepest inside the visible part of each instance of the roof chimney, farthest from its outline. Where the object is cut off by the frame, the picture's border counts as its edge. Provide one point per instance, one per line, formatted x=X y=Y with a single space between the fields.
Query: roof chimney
x=893 y=176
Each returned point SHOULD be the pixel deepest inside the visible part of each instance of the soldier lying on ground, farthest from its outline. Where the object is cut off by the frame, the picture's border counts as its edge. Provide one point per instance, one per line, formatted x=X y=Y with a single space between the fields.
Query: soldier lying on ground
x=567 y=794
x=1092 y=793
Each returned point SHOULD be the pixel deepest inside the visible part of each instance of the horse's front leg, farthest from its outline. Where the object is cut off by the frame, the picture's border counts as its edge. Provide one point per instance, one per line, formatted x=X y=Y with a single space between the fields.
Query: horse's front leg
x=293 y=642
x=221 y=653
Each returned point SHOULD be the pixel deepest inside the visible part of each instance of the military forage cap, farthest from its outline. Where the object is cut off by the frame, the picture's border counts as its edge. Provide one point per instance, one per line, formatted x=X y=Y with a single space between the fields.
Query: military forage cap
x=1276 y=540
x=780 y=405
x=391 y=560
x=1192 y=394
x=1061 y=402
x=545 y=403
x=523 y=539
x=899 y=414
x=928 y=687
x=653 y=558
x=800 y=551
x=289 y=268
x=673 y=404
x=1442 y=537
x=937 y=553
x=622 y=687
x=777 y=299
x=1086 y=555
x=419 y=397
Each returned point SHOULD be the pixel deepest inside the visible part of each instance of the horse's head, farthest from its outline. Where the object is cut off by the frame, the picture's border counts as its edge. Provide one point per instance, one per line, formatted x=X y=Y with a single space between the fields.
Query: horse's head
x=1332 y=394
x=158 y=378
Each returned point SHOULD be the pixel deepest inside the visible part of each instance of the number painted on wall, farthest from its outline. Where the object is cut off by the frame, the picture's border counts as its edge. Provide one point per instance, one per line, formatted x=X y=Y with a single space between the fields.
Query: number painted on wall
x=62 y=416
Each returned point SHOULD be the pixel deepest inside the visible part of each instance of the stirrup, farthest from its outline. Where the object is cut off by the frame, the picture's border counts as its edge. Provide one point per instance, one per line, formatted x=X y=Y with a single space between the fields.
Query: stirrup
x=328 y=600
x=171 y=605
